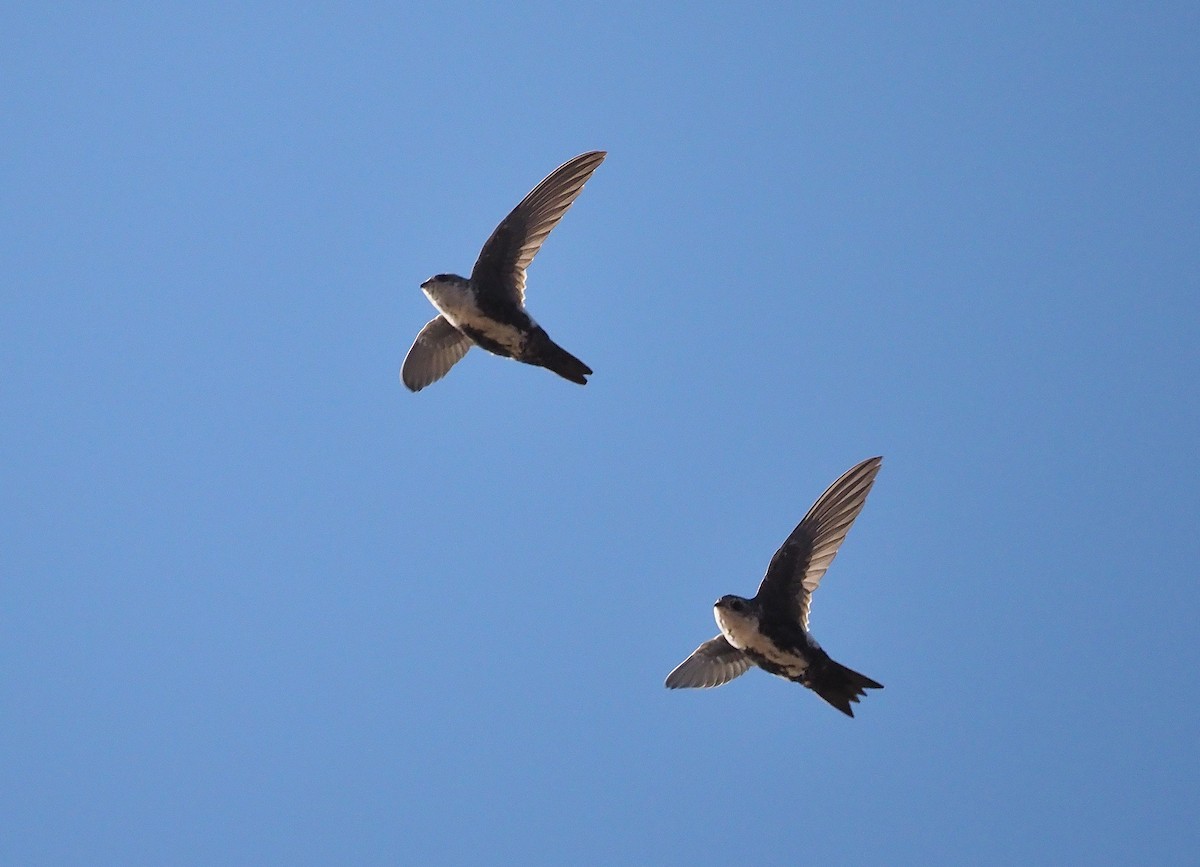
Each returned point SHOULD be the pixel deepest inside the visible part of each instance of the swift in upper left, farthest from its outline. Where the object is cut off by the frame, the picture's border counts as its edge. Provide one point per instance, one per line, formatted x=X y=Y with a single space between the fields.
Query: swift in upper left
x=488 y=310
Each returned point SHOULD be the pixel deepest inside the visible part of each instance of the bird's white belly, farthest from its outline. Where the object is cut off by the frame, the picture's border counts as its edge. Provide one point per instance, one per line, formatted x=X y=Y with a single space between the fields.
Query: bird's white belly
x=744 y=635
x=792 y=663
x=458 y=307
x=508 y=336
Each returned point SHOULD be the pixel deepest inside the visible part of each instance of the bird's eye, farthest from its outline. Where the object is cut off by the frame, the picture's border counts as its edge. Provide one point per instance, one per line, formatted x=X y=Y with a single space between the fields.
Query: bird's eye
x=736 y=604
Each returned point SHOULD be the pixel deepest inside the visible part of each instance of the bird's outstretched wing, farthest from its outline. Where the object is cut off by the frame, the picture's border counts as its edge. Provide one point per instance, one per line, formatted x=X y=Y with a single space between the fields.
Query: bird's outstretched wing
x=798 y=566
x=437 y=348
x=711 y=664
x=500 y=269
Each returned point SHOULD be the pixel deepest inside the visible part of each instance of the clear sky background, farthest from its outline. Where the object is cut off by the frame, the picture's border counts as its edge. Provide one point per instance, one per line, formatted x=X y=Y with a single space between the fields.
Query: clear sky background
x=263 y=605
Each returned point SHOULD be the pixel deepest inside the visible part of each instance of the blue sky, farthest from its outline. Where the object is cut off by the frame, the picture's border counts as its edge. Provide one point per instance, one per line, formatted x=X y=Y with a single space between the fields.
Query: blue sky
x=263 y=605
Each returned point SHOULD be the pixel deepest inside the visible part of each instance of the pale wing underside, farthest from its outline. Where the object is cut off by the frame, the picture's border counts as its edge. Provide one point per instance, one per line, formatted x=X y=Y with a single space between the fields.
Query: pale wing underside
x=798 y=566
x=713 y=663
x=500 y=269
x=437 y=348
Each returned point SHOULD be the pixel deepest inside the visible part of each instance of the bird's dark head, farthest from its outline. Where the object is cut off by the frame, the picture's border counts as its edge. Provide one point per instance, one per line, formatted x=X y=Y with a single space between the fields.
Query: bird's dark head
x=443 y=279
x=448 y=291
x=736 y=617
x=732 y=603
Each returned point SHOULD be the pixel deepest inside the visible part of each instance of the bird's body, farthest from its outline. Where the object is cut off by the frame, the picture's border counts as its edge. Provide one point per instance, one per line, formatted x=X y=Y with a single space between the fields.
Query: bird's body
x=776 y=645
x=488 y=309
x=770 y=630
x=502 y=329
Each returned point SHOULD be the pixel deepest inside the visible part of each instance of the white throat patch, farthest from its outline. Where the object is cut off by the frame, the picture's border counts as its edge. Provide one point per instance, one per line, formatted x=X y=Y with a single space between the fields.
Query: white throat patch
x=739 y=629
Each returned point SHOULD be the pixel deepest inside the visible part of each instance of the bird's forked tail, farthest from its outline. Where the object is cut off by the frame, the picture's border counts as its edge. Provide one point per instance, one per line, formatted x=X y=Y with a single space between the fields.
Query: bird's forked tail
x=544 y=352
x=839 y=685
